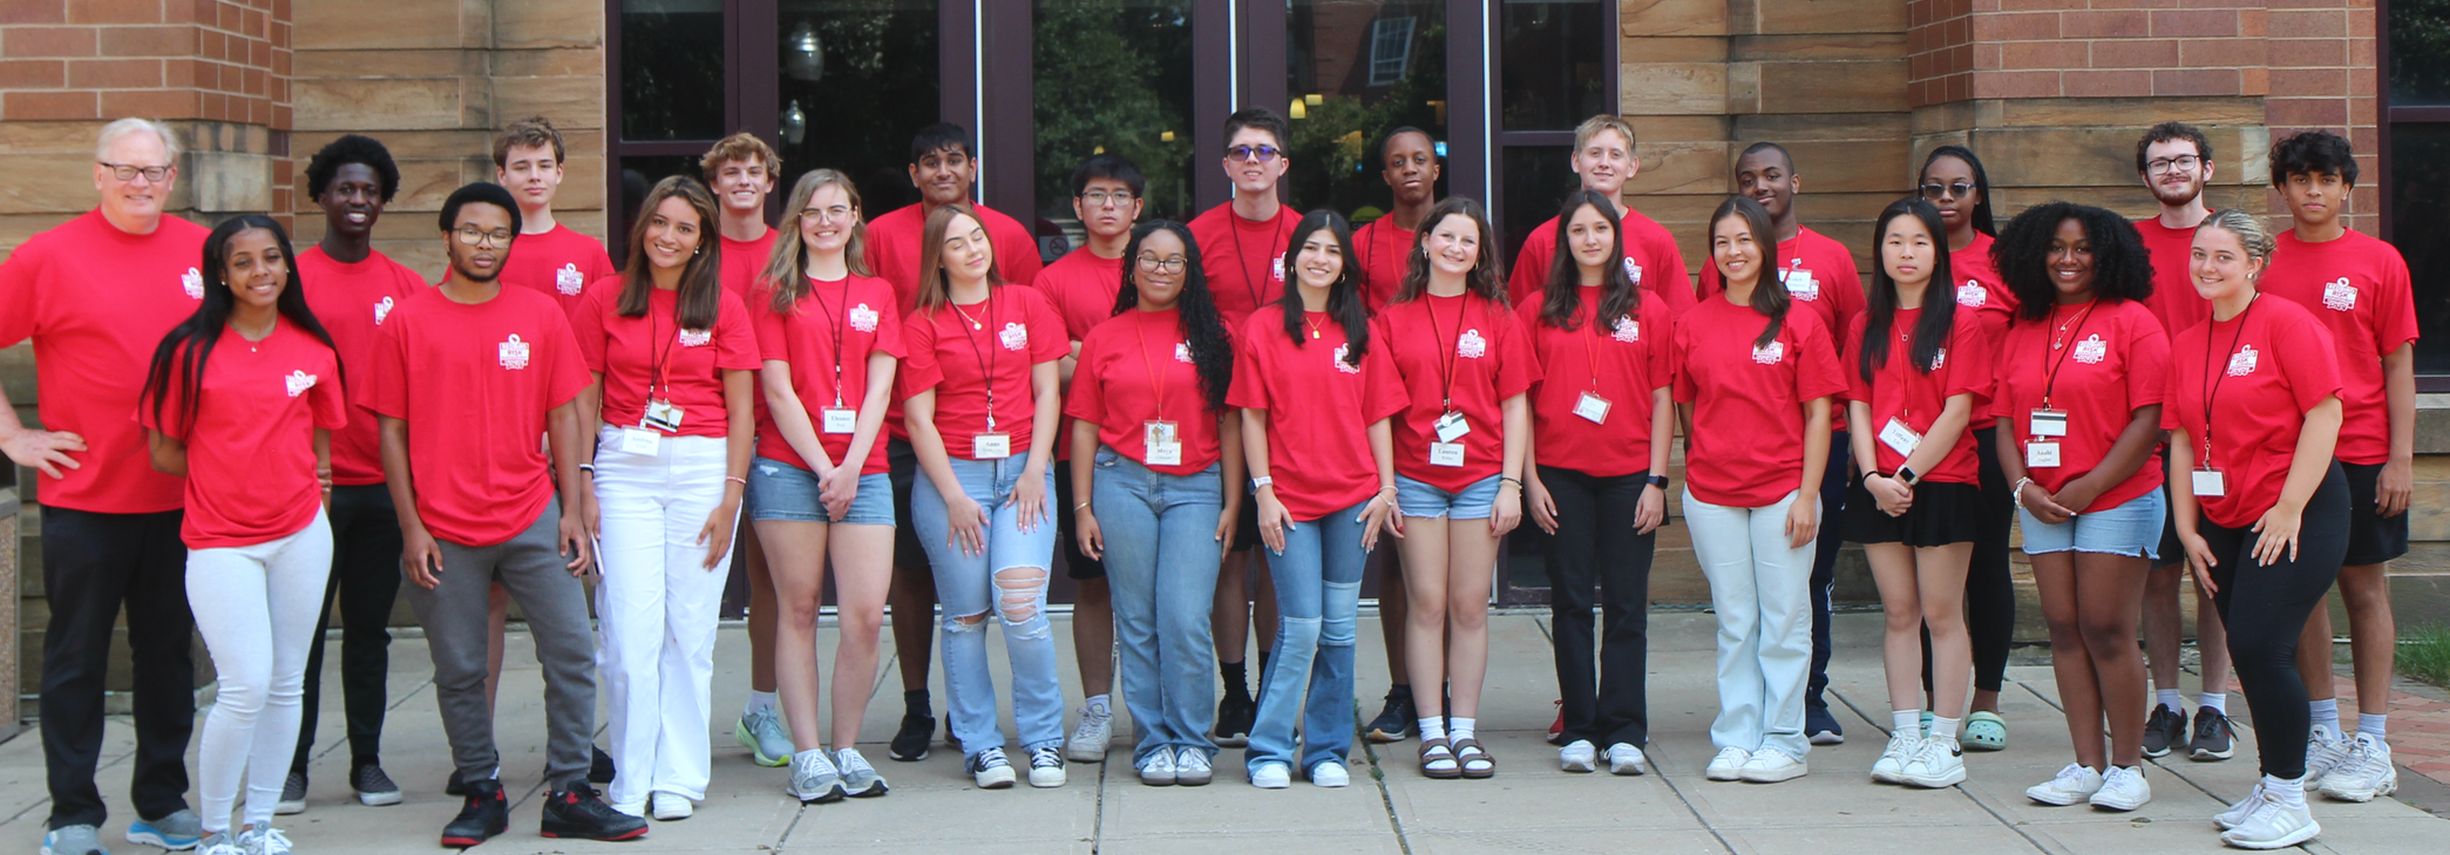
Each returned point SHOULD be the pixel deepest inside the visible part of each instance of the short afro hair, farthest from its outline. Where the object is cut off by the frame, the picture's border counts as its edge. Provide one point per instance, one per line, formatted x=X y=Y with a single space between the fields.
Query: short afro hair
x=479 y=193
x=2122 y=267
x=2312 y=152
x=352 y=148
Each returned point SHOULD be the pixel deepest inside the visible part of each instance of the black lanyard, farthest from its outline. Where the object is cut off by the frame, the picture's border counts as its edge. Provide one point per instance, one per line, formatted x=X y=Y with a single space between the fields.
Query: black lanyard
x=2212 y=379
x=2050 y=376
x=987 y=357
x=1451 y=346
x=1250 y=280
x=816 y=289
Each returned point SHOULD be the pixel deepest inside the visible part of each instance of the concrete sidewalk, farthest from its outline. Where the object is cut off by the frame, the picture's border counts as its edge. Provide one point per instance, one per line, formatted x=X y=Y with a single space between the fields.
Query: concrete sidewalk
x=1529 y=806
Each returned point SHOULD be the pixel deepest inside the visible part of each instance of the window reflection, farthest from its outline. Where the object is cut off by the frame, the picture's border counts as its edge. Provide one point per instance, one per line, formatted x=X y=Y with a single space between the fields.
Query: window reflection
x=2419 y=34
x=1357 y=69
x=671 y=69
x=1534 y=180
x=1113 y=76
x=1554 y=72
x=858 y=78
x=2420 y=167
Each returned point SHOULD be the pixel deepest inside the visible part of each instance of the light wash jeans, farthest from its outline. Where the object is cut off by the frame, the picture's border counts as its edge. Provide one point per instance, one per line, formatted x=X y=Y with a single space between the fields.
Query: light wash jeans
x=1761 y=590
x=970 y=586
x=256 y=607
x=655 y=611
x=1318 y=598
x=1161 y=564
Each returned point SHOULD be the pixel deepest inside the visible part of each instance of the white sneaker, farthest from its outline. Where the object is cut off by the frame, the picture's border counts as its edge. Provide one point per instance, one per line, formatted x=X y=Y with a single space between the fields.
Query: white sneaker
x=1625 y=758
x=1191 y=768
x=1271 y=776
x=1728 y=765
x=815 y=779
x=991 y=770
x=1046 y=768
x=1891 y=767
x=2325 y=750
x=1772 y=766
x=2074 y=785
x=218 y=843
x=670 y=807
x=1578 y=756
x=263 y=840
x=1158 y=769
x=1330 y=774
x=2272 y=825
x=2237 y=813
x=2122 y=788
x=2366 y=773
x=1091 y=736
x=1936 y=763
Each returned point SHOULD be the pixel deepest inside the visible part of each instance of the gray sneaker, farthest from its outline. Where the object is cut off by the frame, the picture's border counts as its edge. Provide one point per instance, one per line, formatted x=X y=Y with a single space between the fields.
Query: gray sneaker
x=180 y=830
x=293 y=796
x=374 y=789
x=263 y=840
x=763 y=734
x=74 y=840
x=814 y=778
x=859 y=780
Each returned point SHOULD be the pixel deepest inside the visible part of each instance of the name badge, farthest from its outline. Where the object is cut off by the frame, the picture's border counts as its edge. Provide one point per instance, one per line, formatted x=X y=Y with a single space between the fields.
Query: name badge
x=662 y=415
x=1451 y=427
x=2047 y=422
x=840 y=419
x=1899 y=438
x=1446 y=454
x=1799 y=284
x=2041 y=455
x=2211 y=483
x=991 y=446
x=640 y=440
x=1592 y=408
x=1162 y=441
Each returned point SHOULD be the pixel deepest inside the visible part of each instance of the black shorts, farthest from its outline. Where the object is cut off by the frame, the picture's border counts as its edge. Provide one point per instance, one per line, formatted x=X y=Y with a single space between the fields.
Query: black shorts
x=1077 y=564
x=2172 y=552
x=2371 y=539
x=1943 y=514
x=902 y=466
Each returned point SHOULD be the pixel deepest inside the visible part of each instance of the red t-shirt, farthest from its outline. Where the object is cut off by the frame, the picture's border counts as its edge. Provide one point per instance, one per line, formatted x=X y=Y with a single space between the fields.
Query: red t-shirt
x=1650 y=250
x=251 y=446
x=852 y=317
x=97 y=301
x=628 y=352
x=1319 y=410
x=1899 y=391
x=744 y=261
x=1623 y=362
x=1819 y=274
x=955 y=349
x=1385 y=255
x=352 y=301
x=1245 y=260
x=2359 y=287
x=1082 y=287
x=1979 y=288
x=2274 y=362
x=486 y=375
x=1746 y=448
x=557 y=264
x=1135 y=369
x=893 y=248
x=2174 y=300
x=1464 y=348
x=2112 y=360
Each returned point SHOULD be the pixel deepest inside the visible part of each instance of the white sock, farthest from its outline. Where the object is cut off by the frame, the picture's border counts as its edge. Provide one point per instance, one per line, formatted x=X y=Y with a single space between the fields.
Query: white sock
x=2171 y=699
x=759 y=702
x=1463 y=727
x=2325 y=712
x=1943 y=727
x=1906 y=721
x=2218 y=701
x=1433 y=727
x=2289 y=792
x=2373 y=724
x=1099 y=704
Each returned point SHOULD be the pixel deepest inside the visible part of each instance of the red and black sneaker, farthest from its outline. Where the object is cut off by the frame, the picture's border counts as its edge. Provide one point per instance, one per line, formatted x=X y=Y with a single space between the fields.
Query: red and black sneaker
x=487 y=814
x=579 y=812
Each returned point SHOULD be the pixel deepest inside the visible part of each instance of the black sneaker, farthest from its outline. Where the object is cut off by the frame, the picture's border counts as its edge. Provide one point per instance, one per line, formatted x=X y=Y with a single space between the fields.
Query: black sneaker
x=911 y=742
x=486 y=814
x=600 y=769
x=1394 y=721
x=2214 y=739
x=1821 y=728
x=1233 y=721
x=2165 y=730
x=579 y=813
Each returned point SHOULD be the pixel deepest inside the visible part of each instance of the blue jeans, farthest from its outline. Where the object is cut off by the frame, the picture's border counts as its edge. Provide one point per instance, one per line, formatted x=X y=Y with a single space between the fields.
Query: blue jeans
x=1318 y=598
x=969 y=586
x=1161 y=565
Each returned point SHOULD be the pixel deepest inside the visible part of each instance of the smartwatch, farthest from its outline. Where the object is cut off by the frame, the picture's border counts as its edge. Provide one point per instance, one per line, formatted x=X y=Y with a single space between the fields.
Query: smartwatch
x=1659 y=481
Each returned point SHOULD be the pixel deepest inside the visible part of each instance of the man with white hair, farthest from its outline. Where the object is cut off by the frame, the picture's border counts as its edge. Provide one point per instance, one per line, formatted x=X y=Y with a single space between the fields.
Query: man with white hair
x=96 y=295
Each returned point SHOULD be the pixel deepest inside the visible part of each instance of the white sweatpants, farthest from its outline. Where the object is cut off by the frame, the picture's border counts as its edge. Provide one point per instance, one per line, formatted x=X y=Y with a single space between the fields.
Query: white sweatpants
x=655 y=612
x=1761 y=590
x=256 y=607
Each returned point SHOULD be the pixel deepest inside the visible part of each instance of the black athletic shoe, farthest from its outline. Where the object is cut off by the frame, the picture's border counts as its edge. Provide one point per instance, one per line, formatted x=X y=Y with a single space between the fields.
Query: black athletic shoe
x=486 y=814
x=911 y=742
x=1821 y=728
x=578 y=812
x=1233 y=721
x=600 y=770
x=2214 y=739
x=1394 y=721
x=2164 y=731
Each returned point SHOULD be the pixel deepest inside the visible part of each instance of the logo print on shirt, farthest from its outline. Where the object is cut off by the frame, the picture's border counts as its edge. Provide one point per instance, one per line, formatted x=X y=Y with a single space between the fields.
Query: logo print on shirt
x=1470 y=345
x=1939 y=359
x=2092 y=350
x=568 y=280
x=1971 y=296
x=696 y=338
x=1182 y=352
x=1276 y=269
x=1343 y=350
x=513 y=352
x=863 y=318
x=1627 y=330
x=192 y=282
x=1015 y=336
x=2244 y=361
x=382 y=310
x=1633 y=270
x=1770 y=353
x=298 y=382
x=2338 y=295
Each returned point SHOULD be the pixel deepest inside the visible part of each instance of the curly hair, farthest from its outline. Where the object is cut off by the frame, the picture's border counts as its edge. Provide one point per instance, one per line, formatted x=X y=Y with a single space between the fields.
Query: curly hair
x=2122 y=268
x=1212 y=350
x=348 y=149
x=2310 y=153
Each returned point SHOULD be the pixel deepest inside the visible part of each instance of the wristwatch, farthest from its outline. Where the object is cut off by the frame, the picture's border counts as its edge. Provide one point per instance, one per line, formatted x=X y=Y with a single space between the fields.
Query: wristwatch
x=1659 y=481
x=1906 y=474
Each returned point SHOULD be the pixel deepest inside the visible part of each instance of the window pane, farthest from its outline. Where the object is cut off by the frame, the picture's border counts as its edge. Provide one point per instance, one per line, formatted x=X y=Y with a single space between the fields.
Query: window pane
x=2419 y=52
x=2419 y=168
x=671 y=69
x=1357 y=69
x=1555 y=74
x=858 y=78
x=638 y=175
x=1113 y=76
x=1533 y=182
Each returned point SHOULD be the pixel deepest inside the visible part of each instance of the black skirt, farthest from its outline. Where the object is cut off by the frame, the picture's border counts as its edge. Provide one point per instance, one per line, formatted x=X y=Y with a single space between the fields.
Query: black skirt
x=1942 y=514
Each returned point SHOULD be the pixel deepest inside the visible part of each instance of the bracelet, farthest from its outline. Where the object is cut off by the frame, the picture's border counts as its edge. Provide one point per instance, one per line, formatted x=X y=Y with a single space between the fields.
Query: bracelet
x=1262 y=481
x=1390 y=488
x=1081 y=507
x=1503 y=480
x=588 y=468
x=736 y=479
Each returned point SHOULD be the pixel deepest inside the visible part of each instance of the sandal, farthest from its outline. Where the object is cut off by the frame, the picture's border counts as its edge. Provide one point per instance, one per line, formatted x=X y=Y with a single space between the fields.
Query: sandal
x=1477 y=762
x=1438 y=760
x=1985 y=731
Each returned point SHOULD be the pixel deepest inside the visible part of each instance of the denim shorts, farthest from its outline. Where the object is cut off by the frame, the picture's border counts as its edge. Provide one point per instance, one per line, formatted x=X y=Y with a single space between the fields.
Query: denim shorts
x=781 y=491
x=1419 y=499
x=2132 y=529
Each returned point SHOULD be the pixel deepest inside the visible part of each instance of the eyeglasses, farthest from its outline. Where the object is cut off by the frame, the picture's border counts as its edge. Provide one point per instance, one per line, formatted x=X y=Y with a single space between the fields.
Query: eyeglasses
x=1101 y=198
x=833 y=213
x=129 y=171
x=1169 y=265
x=1261 y=153
x=473 y=236
x=2162 y=165
x=1957 y=189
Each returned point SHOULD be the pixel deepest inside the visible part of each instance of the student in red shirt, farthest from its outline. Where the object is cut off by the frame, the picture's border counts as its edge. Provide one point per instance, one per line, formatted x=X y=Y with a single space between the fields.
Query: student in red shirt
x=249 y=432
x=1316 y=395
x=818 y=491
x=2174 y=161
x=1919 y=366
x=1460 y=452
x=553 y=259
x=944 y=168
x=95 y=294
x=983 y=396
x=1154 y=445
x=1383 y=251
x=2252 y=422
x=353 y=289
x=1755 y=376
x=1601 y=421
x=1604 y=158
x=1247 y=244
x=2079 y=393
x=496 y=368
x=1954 y=181
x=2359 y=287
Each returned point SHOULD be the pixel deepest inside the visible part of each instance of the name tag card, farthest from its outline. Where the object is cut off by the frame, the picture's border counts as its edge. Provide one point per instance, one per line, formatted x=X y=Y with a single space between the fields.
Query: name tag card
x=991 y=446
x=2048 y=422
x=1162 y=440
x=2211 y=483
x=1451 y=427
x=2041 y=455
x=1446 y=454
x=839 y=419
x=1899 y=438
x=1592 y=408
x=639 y=440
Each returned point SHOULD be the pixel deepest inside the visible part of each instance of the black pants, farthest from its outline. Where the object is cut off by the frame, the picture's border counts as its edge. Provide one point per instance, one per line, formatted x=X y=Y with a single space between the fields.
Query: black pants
x=2265 y=607
x=92 y=564
x=366 y=580
x=1990 y=590
x=1835 y=481
x=1596 y=545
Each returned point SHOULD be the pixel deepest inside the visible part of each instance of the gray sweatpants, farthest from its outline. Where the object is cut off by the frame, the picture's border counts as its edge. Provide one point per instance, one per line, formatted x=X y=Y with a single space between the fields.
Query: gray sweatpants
x=554 y=602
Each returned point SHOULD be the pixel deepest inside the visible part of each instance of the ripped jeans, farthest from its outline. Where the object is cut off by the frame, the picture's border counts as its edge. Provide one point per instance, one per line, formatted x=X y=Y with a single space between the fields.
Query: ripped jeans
x=1310 y=679
x=1010 y=582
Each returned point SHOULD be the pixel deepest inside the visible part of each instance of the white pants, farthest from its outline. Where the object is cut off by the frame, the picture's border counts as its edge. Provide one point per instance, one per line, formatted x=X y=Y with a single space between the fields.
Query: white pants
x=1761 y=590
x=655 y=611
x=256 y=607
